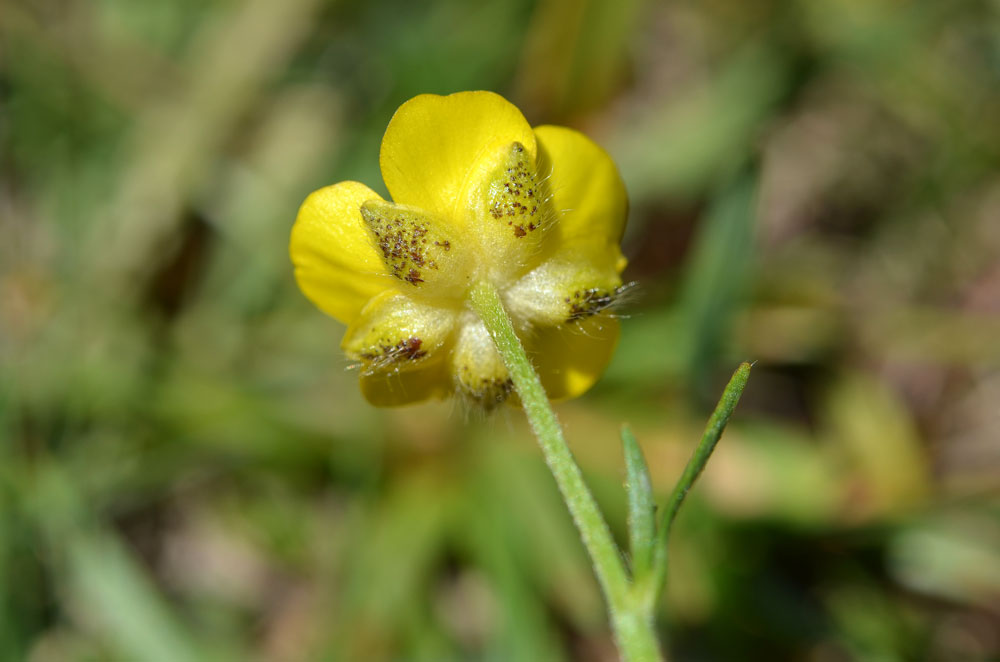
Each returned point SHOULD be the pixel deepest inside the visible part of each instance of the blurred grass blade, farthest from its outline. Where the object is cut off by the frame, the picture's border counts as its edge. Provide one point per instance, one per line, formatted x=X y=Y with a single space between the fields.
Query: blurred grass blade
x=493 y=538
x=717 y=275
x=641 y=523
x=391 y=559
x=114 y=591
x=713 y=432
x=710 y=126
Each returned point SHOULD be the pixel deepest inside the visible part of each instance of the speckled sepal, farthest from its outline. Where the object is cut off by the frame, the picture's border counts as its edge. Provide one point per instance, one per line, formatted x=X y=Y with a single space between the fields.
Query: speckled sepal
x=412 y=243
x=396 y=333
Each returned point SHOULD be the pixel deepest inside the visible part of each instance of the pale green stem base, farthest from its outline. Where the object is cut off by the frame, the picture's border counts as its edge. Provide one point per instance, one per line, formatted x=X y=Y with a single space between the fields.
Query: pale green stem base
x=631 y=616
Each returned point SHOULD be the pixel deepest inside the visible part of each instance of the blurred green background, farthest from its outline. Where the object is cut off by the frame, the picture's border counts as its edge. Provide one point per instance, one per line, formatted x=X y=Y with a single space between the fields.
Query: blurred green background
x=187 y=468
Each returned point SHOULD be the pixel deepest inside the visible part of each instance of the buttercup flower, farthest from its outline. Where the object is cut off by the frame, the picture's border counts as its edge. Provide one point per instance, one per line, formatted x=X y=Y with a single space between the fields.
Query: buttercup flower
x=477 y=195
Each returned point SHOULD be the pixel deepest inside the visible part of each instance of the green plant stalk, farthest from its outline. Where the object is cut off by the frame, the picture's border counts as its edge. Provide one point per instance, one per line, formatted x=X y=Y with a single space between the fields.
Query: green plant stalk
x=713 y=432
x=631 y=620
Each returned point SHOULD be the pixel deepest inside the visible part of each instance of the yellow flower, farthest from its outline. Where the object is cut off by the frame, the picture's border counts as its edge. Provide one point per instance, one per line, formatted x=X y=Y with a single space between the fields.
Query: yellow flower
x=477 y=195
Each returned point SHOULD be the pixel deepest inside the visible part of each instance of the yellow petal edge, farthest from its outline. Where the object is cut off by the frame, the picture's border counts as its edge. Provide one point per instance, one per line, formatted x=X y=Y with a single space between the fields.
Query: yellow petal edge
x=588 y=194
x=336 y=265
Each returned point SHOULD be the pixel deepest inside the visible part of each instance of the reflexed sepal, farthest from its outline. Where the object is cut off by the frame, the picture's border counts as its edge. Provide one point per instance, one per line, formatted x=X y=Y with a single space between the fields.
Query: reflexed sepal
x=512 y=208
x=560 y=292
x=516 y=194
x=412 y=243
x=477 y=368
x=395 y=333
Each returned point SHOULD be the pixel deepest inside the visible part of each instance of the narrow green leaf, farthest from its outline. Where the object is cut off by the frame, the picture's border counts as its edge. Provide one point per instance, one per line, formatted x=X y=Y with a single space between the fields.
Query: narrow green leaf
x=713 y=432
x=641 y=524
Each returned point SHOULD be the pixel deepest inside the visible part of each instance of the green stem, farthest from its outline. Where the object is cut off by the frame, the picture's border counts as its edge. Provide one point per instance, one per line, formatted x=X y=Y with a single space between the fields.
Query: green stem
x=630 y=619
x=713 y=432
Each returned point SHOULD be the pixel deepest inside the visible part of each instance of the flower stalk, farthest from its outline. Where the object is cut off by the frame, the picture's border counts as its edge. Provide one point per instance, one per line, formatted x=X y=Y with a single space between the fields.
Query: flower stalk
x=631 y=598
x=632 y=623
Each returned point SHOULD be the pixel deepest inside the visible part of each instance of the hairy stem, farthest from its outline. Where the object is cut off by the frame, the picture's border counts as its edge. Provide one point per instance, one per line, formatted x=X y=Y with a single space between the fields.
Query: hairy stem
x=630 y=619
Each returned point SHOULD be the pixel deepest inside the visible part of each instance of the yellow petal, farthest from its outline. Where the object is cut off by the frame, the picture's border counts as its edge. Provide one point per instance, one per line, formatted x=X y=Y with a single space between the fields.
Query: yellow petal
x=395 y=332
x=435 y=144
x=417 y=248
x=335 y=262
x=588 y=195
x=571 y=357
x=394 y=389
